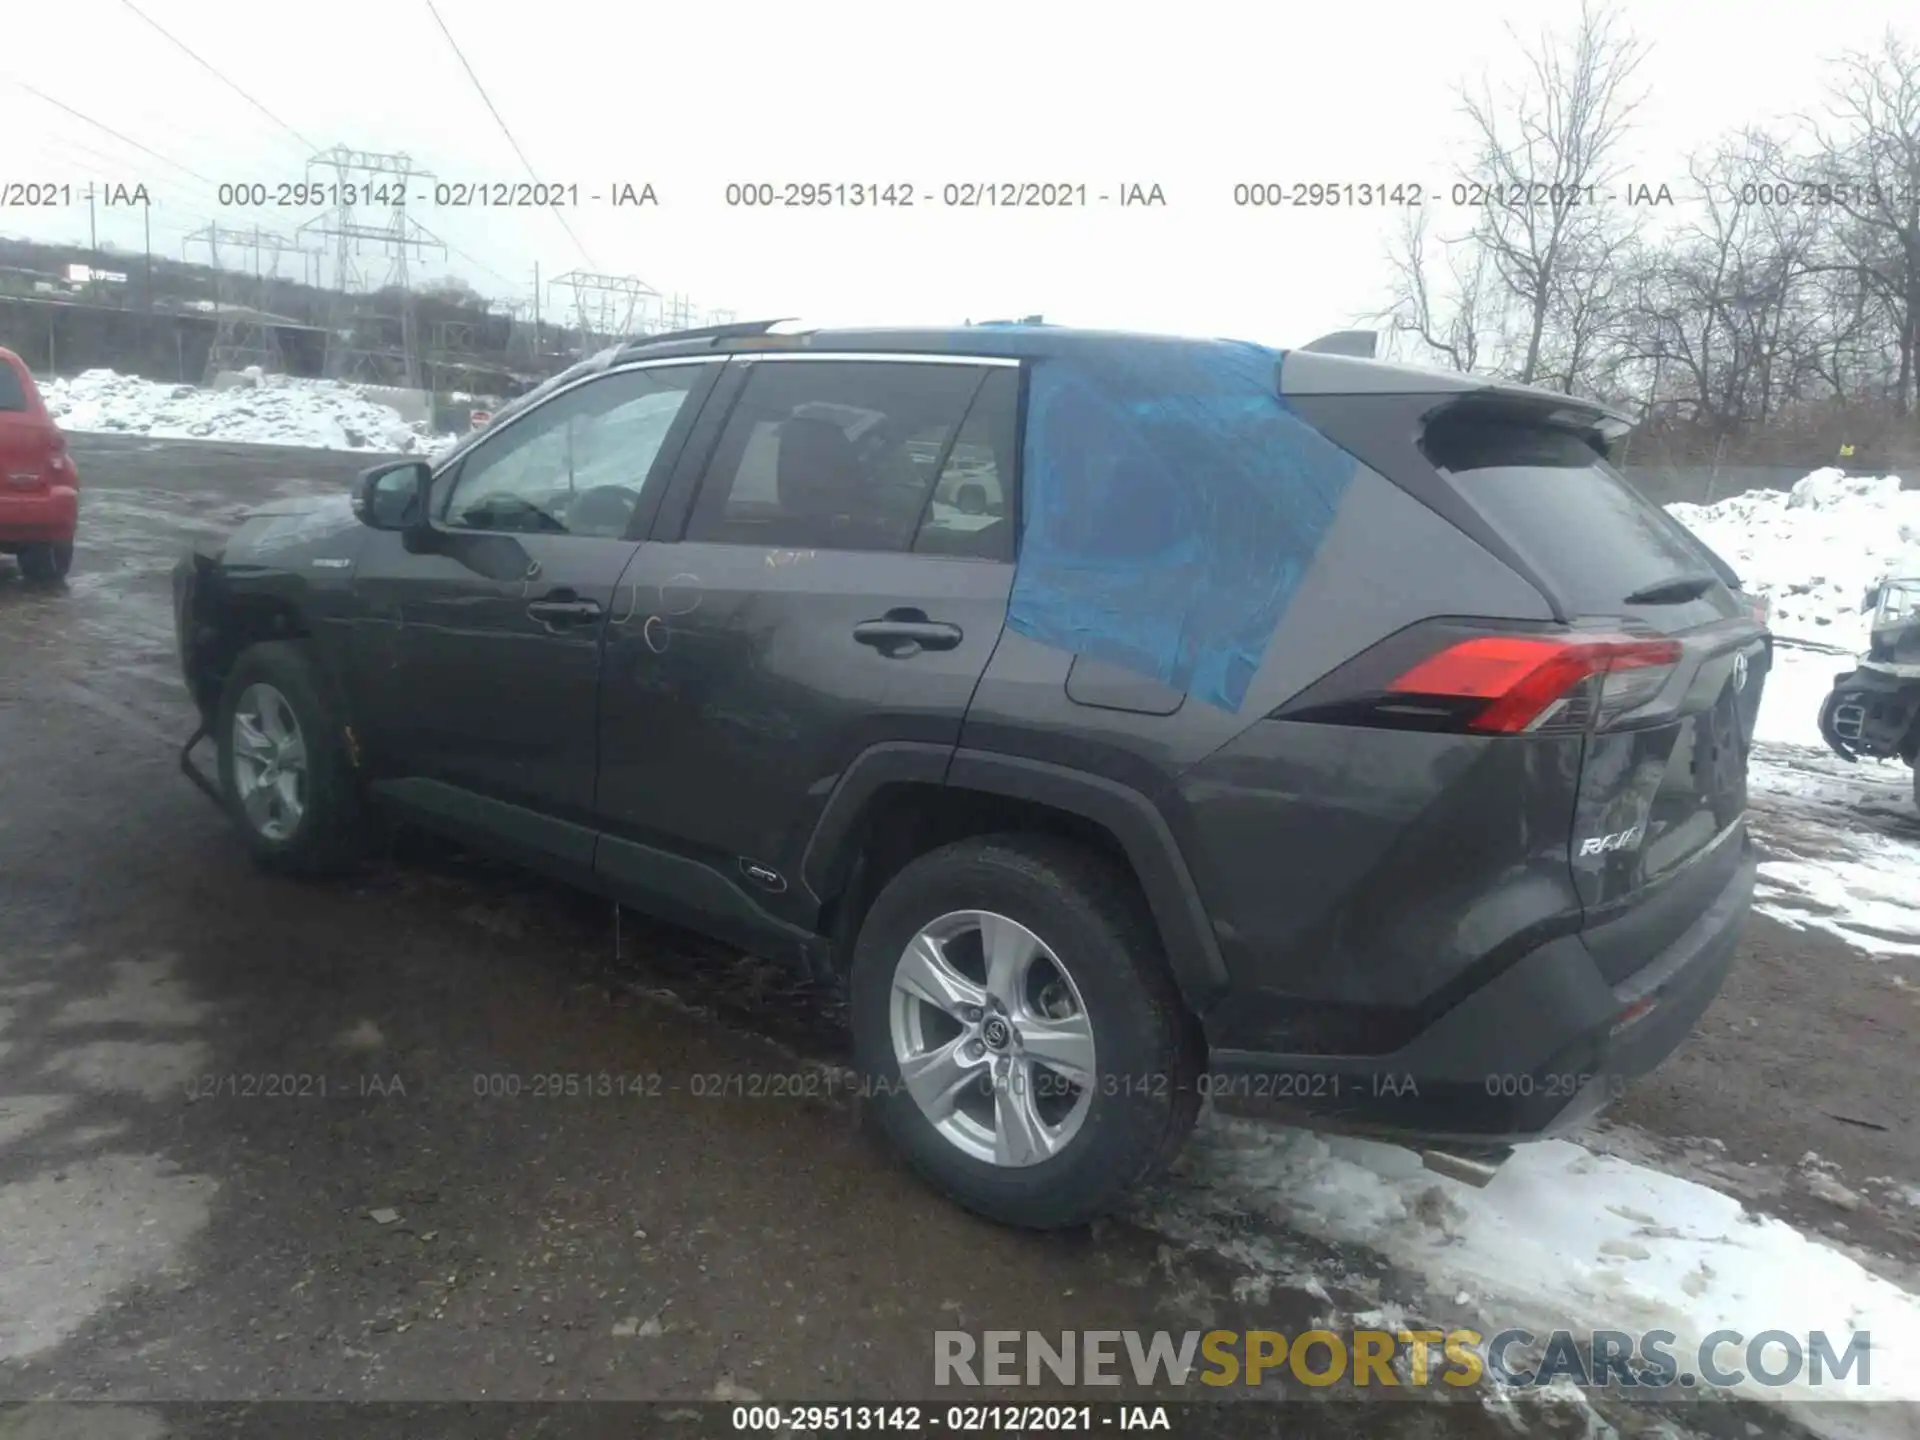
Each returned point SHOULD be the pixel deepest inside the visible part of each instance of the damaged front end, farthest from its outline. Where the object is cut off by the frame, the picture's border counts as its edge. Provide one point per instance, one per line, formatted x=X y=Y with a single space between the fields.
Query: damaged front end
x=1874 y=710
x=196 y=580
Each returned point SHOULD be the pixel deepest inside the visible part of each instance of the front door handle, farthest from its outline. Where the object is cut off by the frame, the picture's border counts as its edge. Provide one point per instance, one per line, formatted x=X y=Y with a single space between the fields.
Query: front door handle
x=900 y=633
x=562 y=608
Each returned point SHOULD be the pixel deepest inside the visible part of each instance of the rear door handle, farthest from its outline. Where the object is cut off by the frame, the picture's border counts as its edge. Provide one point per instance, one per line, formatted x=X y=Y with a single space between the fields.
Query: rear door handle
x=904 y=632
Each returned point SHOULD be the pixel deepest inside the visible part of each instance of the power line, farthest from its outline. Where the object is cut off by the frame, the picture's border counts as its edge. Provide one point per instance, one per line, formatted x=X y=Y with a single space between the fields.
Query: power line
x=114 y=133
x=454 y=249
x=83 y=156
x=181 y=45
x=199 y=215
x=527 y=164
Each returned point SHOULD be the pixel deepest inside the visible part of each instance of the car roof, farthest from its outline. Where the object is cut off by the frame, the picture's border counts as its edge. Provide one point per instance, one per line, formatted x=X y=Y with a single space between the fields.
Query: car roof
x=1302 y=372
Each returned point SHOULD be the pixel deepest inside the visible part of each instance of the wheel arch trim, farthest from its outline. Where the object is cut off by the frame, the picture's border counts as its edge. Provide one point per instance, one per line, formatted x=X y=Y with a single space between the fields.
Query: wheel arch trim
x=216 y=593
x=1129 y=816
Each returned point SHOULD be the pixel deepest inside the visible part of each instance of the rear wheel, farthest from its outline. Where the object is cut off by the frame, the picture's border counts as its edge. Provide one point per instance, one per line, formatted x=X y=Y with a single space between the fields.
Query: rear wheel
x=1022 y=1041
x=284 y=767
x=46 y=562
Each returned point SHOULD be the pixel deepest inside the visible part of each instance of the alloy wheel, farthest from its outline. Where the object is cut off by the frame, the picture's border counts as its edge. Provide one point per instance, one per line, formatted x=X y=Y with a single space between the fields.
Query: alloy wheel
x=269 y=762
x=992 y=1038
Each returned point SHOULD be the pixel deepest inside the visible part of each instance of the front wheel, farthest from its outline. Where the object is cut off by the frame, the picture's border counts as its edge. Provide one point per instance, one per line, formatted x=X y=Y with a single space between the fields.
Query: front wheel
x=284 y=766
x=1018 y=1031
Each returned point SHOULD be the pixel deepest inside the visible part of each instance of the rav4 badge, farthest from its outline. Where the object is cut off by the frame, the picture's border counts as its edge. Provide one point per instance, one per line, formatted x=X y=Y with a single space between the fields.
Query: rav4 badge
x=1619 y=840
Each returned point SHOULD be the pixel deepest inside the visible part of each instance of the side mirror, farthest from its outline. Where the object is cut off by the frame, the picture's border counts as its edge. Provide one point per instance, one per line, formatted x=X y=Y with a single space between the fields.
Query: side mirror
x=394 y=497
x=1872 y=598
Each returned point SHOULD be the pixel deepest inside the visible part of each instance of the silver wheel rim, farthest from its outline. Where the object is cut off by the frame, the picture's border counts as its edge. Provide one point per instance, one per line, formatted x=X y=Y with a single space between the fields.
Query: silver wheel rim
x=269 y=762
x=992 y=1038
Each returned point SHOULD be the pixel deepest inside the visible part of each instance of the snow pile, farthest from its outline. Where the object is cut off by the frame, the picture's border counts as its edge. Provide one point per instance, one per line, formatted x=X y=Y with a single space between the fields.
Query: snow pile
x=1813 y=551
x=1561 y=1239
x=274 y=410
x=1837 y=834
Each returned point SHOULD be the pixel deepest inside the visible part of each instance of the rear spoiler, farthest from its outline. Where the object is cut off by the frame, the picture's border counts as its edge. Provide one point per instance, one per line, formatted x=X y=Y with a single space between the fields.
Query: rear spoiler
x=1360 y=343
x=1336 y=365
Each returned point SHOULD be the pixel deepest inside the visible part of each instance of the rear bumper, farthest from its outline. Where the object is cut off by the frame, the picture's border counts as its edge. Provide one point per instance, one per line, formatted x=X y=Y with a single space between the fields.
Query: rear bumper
x=1540 y=1048
x=51 y=514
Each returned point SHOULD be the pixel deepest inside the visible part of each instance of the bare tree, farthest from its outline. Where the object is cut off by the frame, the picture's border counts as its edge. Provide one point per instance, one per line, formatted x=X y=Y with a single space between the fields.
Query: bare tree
x=1548 y=150
x=1869 y=157
x=1451 y=323
x=1726 y=293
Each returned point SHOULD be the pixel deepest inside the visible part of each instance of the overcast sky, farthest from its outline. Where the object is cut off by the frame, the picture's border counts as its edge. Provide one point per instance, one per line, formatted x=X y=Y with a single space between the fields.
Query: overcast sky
x=1193 y=97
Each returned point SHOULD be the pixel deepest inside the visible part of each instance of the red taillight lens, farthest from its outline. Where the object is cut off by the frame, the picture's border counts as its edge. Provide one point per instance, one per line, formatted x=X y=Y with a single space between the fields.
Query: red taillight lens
x=1533 y=682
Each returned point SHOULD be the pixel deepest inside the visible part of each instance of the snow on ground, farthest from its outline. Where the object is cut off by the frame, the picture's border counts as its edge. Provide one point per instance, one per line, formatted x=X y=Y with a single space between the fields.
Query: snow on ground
x=278 y=410
x=1845 y=846
x=1560 y=1239
x=1845 y=837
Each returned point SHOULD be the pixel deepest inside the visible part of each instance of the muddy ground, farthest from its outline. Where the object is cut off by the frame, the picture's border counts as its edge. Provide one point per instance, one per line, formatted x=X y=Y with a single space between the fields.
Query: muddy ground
x=262 y=1140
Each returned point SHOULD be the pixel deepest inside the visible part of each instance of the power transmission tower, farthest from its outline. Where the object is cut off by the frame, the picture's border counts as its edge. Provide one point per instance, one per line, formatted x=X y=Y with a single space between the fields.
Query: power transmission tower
x=454 y=357
x=243 y=336
x=605 y=307
x=366 y=182
x=523 y=346
x=676 y=313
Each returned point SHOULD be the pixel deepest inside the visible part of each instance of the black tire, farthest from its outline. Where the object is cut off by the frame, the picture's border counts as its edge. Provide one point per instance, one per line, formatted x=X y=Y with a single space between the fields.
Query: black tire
x=45 y=562
x=329 y=836
x=1145 y=1098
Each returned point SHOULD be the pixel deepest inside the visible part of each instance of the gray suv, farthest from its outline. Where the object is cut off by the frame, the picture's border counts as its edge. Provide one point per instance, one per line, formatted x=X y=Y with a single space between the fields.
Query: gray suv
x=1122 y=720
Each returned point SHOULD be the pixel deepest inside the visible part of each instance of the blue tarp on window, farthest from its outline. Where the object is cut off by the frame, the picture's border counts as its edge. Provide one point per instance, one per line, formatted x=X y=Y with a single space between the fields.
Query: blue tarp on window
x=1171 y=504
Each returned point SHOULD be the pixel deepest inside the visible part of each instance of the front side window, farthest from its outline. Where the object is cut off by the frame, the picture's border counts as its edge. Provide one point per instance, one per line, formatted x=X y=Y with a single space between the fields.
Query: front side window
x=576 y=465
x=834 y=455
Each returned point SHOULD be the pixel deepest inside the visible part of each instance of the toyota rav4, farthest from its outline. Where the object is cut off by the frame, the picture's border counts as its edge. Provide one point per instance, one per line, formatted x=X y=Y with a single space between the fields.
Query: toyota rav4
x=1120 y=719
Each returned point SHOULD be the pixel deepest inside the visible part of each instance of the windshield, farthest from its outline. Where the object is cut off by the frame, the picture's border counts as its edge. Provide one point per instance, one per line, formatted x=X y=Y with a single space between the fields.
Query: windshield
x=1899 y=602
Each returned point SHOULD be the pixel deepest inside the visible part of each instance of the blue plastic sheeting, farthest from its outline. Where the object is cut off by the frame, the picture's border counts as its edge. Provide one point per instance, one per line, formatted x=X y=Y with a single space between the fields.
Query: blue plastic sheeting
x=1172 y=504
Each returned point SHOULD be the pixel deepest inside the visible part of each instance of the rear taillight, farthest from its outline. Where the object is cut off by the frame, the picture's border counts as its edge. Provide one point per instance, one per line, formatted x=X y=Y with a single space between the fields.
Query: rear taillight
x=1529 y=683
x=1447 y=676
x=58 y=461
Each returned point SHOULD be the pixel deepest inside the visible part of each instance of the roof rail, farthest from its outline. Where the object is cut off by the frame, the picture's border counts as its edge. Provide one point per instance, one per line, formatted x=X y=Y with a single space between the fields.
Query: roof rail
x=1361 y=343
x=708 y=332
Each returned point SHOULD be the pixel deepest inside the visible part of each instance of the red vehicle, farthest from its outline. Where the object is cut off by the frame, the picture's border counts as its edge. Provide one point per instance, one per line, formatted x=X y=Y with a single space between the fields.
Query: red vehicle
x=39 y=488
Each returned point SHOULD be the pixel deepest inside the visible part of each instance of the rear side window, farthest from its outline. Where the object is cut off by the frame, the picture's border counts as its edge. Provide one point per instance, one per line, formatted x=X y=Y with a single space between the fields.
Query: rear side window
x=1558 y=503
x=971 y=509
x=834 y=455
x=13 y=395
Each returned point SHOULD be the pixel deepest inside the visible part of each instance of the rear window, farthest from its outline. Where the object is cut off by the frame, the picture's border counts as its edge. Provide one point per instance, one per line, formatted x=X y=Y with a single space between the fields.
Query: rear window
x=1558 y=503
x=13 y=395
